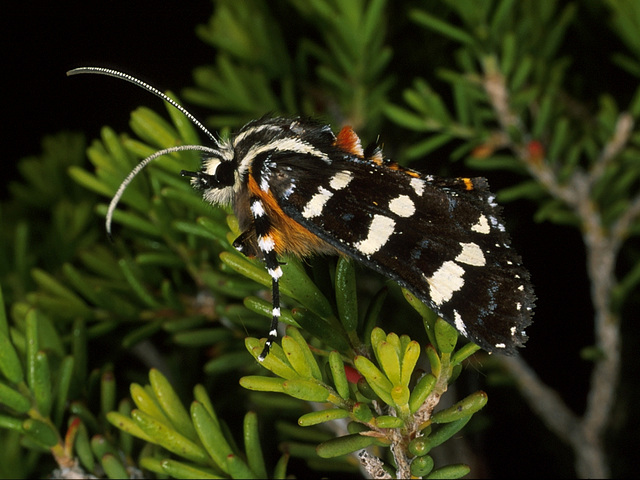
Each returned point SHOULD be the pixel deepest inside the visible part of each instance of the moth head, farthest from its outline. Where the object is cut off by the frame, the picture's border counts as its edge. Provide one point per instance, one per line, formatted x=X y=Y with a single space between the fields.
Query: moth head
x=218 y=178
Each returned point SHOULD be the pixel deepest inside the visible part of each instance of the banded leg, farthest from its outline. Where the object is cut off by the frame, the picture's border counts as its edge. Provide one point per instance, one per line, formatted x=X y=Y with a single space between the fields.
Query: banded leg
x=266 y=245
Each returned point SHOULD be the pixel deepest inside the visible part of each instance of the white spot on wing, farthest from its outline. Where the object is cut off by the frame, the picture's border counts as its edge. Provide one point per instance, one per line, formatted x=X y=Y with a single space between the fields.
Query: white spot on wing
x=341 y=179
x=402 y=206
x=471 y=254
x=380 y=230
x=482 y=226
x=290 y=189
x=264 y=183
x=459 y=323
x=496 y=223
x=314 y=207
x=445 y=281
x=418 y=186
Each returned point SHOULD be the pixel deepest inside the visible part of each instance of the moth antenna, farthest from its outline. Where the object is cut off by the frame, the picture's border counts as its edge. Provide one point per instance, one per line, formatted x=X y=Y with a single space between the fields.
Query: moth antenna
x=138 y=168
x=131 y=79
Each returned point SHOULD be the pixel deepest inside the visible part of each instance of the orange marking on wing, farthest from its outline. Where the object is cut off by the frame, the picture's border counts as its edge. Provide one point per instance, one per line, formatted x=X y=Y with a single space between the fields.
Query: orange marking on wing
x=400 y=168
x=288 y=236
x=468 y=183
x=349 y=141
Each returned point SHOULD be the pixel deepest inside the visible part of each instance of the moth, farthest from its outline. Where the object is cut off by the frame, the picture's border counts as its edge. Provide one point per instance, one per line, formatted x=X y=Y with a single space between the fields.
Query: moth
x=297 y=188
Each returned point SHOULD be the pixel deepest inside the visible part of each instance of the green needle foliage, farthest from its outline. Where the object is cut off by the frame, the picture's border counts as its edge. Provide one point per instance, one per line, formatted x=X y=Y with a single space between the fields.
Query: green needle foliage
x=123 y=359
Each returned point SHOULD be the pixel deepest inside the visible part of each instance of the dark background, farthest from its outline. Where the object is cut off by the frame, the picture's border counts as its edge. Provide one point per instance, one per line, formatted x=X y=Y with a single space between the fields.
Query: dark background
x=156 y=42
x=42 y=40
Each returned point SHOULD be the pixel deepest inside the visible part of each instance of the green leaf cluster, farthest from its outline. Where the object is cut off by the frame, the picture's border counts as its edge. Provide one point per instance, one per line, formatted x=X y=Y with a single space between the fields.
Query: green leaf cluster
x=198 y=437
x=377 y=390
x=336 y=68
x=509 y=107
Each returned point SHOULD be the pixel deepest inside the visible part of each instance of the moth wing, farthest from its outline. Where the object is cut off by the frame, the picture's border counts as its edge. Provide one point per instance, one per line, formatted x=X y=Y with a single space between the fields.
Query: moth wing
x=442 y=239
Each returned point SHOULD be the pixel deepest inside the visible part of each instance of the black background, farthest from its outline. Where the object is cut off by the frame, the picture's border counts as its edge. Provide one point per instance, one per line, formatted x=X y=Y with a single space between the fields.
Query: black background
x=42 y=40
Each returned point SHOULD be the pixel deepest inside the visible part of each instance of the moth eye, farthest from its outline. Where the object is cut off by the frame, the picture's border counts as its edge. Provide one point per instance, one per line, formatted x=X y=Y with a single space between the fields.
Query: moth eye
x=225 y=173
x=221 y=173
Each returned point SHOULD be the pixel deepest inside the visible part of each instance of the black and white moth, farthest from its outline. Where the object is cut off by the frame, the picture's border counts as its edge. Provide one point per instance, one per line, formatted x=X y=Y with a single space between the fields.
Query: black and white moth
x=297 y=188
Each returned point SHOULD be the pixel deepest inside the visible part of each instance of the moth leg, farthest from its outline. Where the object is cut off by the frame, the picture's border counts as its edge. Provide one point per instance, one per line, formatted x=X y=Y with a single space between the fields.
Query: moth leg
x=246 y=243
x=266 y=248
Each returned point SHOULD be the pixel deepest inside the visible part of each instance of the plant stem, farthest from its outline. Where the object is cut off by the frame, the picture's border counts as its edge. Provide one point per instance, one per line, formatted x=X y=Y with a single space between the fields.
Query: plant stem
x=584 y=434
